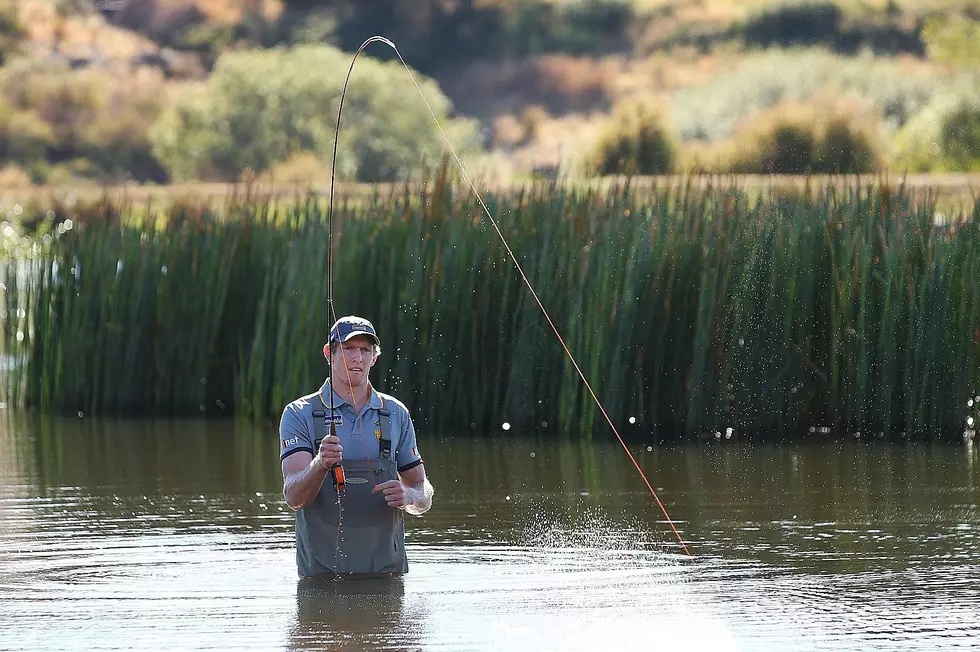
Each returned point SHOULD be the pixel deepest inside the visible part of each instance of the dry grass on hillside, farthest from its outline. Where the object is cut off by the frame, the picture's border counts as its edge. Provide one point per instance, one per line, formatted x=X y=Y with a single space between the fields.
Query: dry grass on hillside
x=91 y=36
x=49 y=32
x=232 y=11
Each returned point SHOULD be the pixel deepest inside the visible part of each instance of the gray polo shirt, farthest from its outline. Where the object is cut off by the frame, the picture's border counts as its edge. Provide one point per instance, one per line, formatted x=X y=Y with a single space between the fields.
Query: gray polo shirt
x=359 y=434
x=317 y=531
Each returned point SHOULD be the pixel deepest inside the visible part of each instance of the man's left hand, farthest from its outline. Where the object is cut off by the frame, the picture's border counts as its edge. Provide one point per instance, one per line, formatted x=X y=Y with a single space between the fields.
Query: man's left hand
x=395 y=492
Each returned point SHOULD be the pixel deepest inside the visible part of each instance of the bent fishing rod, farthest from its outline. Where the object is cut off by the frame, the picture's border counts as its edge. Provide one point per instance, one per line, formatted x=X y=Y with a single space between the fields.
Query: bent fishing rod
x=510 y=253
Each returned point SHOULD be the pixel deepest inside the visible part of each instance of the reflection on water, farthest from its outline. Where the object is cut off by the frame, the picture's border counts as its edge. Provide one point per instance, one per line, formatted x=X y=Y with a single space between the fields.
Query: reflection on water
x=350 y=614
x=173 y=534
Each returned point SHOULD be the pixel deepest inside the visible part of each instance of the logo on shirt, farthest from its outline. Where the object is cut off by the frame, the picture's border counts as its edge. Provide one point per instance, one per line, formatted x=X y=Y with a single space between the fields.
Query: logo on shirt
x=337 y=419
x=286 y=443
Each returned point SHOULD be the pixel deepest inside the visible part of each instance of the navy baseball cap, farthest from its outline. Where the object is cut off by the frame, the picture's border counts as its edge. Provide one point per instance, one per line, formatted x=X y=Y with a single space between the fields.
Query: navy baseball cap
x=351 y=326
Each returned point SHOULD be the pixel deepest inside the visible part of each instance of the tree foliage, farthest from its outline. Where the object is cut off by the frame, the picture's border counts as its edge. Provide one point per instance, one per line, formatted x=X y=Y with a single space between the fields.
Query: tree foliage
x=260 y=107
x=437 y=34
x=945 y=137
x=953 y=39
x=11 y=31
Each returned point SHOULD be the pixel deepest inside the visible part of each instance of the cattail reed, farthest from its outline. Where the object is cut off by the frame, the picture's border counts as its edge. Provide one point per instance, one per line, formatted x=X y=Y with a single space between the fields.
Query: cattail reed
x=694 y=308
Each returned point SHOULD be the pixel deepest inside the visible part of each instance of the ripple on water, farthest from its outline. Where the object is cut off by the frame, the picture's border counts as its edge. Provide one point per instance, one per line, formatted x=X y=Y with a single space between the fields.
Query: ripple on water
x=218 y=571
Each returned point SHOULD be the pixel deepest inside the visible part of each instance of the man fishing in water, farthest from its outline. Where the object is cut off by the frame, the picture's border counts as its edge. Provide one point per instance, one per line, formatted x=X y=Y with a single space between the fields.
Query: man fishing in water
x=351 y=465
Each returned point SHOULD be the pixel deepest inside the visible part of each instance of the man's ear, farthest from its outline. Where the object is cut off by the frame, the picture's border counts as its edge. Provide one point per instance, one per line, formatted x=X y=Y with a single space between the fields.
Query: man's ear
x=326 y=351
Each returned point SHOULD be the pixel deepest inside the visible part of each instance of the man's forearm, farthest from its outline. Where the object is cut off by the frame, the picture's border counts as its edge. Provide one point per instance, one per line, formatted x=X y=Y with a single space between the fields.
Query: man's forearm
x=419 y=498
x=301 y=488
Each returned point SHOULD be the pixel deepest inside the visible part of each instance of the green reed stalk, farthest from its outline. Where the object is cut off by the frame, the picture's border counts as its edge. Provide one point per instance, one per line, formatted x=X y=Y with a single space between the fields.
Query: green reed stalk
x=692 y=308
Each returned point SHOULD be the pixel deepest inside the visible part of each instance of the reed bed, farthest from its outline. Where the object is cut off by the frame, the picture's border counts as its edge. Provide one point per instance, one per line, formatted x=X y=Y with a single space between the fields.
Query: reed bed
x=694 y=308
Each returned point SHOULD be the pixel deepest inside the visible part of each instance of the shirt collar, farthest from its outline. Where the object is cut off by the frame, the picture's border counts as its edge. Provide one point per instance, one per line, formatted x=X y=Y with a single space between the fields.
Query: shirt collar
x=374 y=399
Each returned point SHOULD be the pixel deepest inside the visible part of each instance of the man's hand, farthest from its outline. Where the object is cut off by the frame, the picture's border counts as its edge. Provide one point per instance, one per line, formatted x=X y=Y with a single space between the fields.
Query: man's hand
x=395 y=492
x=331 y=452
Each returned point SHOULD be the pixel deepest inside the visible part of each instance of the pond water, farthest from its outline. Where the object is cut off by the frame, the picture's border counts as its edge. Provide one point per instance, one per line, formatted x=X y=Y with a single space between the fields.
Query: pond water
x=173 y=534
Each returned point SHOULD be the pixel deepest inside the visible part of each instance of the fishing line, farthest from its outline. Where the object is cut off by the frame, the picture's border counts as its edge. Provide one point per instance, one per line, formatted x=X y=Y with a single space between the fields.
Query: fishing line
x=479 y=199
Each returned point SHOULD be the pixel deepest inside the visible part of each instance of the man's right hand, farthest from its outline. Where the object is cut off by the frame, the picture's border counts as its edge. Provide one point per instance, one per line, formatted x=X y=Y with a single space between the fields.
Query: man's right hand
x=331 y=452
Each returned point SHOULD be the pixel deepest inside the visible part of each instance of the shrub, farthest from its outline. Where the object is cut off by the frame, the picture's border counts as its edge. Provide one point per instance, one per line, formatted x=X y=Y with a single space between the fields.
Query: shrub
x=825 y=23
x=805 y=139
x=24 y=136
x=61 y=115
x=77 y=172
x=802 y=23
x=162 y=22
x=953 y=39
x=635 y=140
x=11 y=31
x=945 y=137
x=784 y=148
x=847 y=147
x=897 y=90
x=960 y=137
x=260 y=107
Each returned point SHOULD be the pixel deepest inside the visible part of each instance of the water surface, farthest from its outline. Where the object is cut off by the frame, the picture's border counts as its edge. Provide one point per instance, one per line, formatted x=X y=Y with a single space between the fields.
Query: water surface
x=173 y=534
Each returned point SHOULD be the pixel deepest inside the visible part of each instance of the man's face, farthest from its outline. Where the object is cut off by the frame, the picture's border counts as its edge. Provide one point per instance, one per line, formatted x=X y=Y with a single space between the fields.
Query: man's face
x=352 y=360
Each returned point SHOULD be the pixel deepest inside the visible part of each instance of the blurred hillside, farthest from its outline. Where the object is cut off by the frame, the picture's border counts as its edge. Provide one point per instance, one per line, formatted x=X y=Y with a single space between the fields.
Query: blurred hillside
x=103 y=91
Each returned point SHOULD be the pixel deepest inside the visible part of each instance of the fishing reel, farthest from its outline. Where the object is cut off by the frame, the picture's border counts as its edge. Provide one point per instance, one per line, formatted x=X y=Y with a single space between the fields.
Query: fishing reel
x=337 y=473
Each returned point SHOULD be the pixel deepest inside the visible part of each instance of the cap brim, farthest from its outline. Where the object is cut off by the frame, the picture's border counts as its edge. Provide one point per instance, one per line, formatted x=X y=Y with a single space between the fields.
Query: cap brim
x=356 y=333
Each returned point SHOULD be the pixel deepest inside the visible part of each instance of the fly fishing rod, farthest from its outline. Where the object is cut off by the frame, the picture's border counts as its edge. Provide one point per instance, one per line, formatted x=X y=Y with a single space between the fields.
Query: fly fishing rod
x=496 y=228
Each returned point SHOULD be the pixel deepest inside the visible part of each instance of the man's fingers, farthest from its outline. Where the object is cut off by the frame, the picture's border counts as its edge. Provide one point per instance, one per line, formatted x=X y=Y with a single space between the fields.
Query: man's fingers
x=385 y=486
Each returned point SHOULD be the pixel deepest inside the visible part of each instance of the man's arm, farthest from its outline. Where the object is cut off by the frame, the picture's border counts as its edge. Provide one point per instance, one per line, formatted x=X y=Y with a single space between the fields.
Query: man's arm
x=301 y=479
x=412 y=492
x=303 y=474
x=420 y=492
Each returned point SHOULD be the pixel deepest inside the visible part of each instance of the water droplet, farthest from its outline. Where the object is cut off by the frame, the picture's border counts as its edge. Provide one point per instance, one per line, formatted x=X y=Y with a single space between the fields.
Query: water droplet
x=532 y=453
x=508 y=497
x=80 y=414
x=969 y=403
x=649 y=449
x=969 y=422
x=506 y=426
x=632 y=419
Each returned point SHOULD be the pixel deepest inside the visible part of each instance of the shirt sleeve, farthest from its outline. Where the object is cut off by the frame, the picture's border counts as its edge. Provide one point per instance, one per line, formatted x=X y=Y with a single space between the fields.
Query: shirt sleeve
x=294 y=434
x=408 y=456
